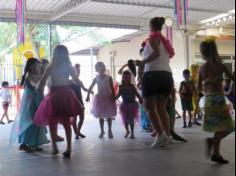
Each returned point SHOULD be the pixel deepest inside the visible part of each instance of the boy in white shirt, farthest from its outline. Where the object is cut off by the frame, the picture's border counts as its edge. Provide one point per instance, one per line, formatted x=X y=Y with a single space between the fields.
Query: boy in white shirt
x=6 y=100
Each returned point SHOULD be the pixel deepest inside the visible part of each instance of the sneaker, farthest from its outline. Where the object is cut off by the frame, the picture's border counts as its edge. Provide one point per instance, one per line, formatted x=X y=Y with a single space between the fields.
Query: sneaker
x=176 y=137
x=2 y=123
x=10 y=121
x=219 y=159
x=197 y=123
x=161 y=141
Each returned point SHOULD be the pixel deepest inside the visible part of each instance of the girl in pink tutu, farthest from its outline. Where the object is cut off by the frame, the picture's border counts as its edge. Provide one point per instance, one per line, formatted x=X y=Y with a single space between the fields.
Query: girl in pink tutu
x=61 y=103
x=104 y=105
x=129 y=108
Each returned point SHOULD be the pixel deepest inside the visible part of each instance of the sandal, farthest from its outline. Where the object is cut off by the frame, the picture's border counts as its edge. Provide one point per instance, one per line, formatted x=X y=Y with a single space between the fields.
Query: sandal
x=26 y=148
x=67 y=154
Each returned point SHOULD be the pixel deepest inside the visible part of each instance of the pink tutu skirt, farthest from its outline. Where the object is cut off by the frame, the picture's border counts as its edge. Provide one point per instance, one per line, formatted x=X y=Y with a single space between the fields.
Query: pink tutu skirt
x=58 y=106
x=129 y=112
x=104 y=107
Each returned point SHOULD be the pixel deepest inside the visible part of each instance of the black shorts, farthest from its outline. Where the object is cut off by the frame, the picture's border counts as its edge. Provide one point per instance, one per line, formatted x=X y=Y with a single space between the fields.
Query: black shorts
x=157 y=83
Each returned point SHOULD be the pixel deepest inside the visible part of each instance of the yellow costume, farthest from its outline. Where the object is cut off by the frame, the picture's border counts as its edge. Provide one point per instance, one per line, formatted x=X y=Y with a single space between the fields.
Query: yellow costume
x=194 y=77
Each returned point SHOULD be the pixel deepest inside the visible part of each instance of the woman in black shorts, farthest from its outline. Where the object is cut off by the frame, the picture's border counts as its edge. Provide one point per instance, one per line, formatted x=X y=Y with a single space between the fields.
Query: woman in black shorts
x=157 y=81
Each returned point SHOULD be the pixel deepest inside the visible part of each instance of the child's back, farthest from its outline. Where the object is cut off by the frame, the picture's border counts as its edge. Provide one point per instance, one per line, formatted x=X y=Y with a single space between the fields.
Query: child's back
x=60 y=74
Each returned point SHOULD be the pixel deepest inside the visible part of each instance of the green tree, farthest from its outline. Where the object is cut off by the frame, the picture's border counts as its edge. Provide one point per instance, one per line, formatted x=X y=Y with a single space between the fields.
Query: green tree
x=8 y=38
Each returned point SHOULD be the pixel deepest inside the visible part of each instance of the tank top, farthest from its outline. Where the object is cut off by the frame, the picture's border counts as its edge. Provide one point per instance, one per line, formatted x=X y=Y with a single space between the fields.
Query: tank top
x=162 y=63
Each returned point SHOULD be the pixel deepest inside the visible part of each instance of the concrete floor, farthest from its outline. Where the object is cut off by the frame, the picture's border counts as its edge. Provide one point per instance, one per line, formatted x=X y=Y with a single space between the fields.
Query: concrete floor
x=118 y=157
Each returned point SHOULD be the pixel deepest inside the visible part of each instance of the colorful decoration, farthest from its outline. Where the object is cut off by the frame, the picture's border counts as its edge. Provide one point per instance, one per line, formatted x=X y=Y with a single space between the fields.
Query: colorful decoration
x=169 y=34
x=194 y=77
x=169 y=29
x=20 y=54
x=20 y=20
x=42 y=53
x=181 y=12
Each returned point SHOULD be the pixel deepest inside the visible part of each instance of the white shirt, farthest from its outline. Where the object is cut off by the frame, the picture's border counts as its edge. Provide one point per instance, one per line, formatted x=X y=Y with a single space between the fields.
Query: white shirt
x=162 y=63
x=5 y=95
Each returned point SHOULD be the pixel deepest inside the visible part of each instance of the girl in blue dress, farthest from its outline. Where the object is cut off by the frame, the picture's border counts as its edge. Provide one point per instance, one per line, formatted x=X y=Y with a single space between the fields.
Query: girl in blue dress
x=29 y=135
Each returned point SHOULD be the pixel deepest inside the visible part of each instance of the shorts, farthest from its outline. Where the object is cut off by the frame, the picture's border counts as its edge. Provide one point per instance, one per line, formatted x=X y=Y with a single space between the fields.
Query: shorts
x=157 y=83
x=5 y=106
x=187 y=104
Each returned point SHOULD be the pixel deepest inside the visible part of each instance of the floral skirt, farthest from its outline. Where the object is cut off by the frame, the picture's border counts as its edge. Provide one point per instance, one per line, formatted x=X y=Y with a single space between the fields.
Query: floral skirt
x=217 y=114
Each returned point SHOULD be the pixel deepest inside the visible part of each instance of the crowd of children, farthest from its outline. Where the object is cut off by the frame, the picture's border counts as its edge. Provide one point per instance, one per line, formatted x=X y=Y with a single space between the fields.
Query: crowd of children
x=64 y=101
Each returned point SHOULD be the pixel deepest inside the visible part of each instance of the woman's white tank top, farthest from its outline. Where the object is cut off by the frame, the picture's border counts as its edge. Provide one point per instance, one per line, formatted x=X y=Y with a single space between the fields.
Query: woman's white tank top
x=162 y=63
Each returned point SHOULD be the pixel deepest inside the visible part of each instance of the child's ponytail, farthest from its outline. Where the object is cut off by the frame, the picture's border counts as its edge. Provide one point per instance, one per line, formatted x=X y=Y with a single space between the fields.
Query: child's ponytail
x=30 y=62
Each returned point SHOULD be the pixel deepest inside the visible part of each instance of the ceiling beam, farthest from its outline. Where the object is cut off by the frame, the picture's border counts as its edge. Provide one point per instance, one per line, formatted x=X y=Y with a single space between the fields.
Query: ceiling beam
x=146 y=4
x=67 y=8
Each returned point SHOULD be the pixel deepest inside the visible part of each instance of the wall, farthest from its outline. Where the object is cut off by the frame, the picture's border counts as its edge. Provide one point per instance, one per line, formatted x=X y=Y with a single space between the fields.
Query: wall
x=130 y=50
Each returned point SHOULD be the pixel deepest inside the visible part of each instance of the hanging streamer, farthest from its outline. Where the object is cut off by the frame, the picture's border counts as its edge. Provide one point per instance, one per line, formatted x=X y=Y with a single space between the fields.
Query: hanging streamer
x=187 y=6
x=181 y=11
x=185 y=12
x=169 y=34
x=20 y=20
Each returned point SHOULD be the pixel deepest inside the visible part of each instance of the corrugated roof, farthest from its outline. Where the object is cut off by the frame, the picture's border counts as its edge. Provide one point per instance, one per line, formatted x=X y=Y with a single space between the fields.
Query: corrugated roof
x=111 y=12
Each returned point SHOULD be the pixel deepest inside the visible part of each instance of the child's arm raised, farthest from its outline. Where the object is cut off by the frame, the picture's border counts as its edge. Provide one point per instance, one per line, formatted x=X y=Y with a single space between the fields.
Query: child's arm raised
x=122 y=68
x=90 y=89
